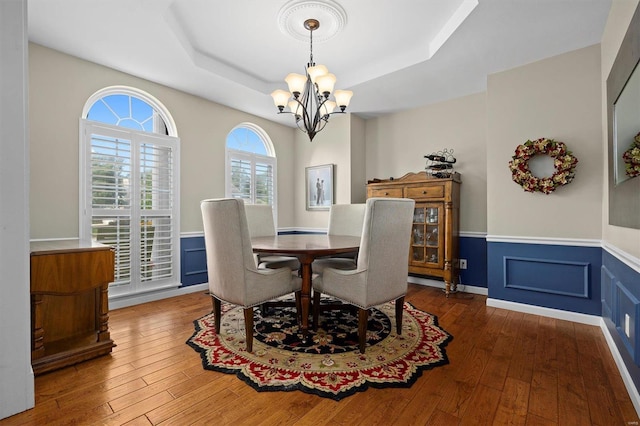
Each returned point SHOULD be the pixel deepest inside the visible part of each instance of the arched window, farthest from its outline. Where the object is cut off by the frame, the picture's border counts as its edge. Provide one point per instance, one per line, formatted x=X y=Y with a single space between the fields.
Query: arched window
x=251 y=165
x=129 y=180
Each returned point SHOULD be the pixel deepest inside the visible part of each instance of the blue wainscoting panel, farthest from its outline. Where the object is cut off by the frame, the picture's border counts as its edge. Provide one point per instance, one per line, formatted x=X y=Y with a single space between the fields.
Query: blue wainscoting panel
x=624 y=284
x=562 y=278
x=474 y=249
x=552 y=276
x=193 y=259
x=608 y=284
x=626 y=318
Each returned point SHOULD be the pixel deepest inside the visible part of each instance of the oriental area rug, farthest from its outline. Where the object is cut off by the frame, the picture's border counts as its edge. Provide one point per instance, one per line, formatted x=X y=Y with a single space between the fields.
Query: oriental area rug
x=328 y=363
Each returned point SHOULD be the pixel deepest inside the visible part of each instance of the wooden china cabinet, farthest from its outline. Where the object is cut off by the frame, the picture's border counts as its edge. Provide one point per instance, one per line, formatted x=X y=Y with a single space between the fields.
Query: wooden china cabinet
x=434 y=236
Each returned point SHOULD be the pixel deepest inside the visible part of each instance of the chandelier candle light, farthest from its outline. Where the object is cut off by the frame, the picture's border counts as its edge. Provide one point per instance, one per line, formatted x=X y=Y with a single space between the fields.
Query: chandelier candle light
x=311 y=105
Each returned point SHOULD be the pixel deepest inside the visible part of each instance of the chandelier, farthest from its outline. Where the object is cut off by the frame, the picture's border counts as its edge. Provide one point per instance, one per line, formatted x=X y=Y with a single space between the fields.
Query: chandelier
x=308 y=95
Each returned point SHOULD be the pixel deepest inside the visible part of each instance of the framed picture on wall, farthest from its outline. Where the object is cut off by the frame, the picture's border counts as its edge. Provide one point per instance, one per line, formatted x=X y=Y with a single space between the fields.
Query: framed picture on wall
x=319 y=187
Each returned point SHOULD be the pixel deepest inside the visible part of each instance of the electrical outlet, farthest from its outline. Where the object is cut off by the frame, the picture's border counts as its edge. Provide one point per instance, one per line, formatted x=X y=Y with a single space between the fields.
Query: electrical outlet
x=462 y=263
x=627 y=320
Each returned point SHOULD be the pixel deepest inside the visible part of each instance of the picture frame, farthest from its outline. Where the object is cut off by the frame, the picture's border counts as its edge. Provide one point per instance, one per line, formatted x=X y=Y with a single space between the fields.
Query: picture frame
x=622 y=124
x=319 y=187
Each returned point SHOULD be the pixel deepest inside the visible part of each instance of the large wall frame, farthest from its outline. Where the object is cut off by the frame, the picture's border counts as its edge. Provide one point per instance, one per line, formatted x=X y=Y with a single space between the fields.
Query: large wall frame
x=624 y=198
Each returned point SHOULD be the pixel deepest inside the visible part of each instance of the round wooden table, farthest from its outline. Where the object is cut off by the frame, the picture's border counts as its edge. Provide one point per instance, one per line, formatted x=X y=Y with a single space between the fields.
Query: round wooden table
x=306 y=247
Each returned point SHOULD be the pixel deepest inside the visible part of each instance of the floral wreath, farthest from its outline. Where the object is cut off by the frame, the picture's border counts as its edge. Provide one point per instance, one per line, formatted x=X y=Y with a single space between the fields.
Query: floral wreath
x=564 y=162
x=631 y=158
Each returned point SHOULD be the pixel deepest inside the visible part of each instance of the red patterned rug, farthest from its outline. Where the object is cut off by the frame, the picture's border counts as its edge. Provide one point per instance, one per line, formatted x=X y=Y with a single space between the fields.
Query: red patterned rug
x=328 y=363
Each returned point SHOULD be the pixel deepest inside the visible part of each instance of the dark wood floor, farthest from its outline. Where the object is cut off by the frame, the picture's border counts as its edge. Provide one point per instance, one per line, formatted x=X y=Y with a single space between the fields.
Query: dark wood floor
x=505 y=368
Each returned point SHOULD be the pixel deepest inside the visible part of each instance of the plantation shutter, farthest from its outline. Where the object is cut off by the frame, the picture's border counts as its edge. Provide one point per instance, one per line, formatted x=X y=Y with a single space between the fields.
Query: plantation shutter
x=252 y=177
x=111 y=200
x=241 y=181
x=133 y=204
x=156 y=205
x=264 y=183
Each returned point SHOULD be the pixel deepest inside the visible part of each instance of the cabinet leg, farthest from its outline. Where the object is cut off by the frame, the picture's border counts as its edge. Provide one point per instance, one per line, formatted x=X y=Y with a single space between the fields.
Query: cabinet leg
x=447 y=288
x=102 y=313
x=37 y=332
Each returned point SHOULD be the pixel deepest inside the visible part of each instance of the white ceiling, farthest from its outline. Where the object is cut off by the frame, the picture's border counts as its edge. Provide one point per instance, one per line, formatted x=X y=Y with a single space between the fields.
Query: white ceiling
x=393 y=54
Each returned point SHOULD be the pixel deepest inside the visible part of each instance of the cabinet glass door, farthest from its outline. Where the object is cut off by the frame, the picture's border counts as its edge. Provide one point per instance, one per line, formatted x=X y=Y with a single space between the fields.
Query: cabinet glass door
x=426 y=241
x=417 y=253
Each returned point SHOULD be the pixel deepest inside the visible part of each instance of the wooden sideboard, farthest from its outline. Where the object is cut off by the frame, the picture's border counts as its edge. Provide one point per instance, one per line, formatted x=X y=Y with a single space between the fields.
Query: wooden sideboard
x=69 y=304
x=434 y=238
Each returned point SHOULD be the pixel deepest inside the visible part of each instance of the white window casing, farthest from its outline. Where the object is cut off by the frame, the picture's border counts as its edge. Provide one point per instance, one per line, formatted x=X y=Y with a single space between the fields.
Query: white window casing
x=129 y=198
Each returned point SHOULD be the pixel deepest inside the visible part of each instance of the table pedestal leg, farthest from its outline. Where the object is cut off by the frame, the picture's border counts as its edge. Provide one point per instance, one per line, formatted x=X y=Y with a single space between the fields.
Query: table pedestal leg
x=305 y=294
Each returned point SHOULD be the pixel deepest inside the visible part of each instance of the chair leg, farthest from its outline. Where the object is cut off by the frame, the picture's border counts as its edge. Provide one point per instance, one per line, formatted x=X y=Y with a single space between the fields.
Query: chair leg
x=217 y=312
x=248 y=328
x=399 y=310
x=316 y=309
x=363 y=318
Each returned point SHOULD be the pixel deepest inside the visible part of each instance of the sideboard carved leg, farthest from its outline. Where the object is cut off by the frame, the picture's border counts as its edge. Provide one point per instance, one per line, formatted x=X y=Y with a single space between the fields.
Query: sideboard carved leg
x=103 y=313
x=37 y=343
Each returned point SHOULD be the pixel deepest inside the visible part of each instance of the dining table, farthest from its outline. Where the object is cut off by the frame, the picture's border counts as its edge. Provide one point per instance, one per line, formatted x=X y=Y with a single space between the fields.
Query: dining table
x=307 y=248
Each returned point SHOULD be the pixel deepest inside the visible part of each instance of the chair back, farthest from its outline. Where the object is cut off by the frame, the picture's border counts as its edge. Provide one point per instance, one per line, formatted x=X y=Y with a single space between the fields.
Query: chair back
x=384 y=247
x=260 y=220
x=346 y=219
x=228 y=248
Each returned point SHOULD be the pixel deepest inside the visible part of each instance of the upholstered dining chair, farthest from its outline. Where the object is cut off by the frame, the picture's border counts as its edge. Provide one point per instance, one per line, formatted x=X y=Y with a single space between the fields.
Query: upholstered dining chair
x=233 y=274
x=382 y=265
x=261 y=224
x=344 y=219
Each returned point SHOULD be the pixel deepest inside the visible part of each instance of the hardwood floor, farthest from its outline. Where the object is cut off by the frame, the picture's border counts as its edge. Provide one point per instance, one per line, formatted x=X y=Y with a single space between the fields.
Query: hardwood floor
x=505 y=368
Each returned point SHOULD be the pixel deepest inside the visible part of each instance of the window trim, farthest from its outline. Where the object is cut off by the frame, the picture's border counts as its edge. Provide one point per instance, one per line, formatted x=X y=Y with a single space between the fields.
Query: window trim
x=172 y=130
x=85 y=211
x=270 y=158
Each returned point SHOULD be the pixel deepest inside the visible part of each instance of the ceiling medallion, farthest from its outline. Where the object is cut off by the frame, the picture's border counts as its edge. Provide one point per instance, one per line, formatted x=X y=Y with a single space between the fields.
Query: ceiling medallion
x=330 y=13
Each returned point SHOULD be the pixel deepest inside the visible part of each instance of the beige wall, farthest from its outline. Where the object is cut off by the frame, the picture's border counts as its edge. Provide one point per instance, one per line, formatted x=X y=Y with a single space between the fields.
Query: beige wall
x=397 y=143
x=330 y=146
x=358 y=160
x=341 y=143
x=556 y=98
x=626 y=239
x=59 y=87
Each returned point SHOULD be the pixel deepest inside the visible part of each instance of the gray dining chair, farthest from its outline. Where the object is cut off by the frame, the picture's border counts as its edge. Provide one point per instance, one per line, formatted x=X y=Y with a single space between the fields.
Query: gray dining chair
x=233 y=274
x=261 y=224
x=382 y=265
x=344 y=219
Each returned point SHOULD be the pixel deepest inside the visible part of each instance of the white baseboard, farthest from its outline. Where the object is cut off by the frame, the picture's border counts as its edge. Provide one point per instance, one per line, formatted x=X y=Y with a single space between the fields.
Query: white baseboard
x=440 y=284
x=622 y=368
x=136 y=299
x=545 y=312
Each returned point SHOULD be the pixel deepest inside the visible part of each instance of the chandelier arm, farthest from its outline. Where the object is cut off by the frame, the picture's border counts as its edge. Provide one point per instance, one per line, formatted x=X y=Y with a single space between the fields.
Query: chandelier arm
x=321 y=123
x=302 y=120
x=300 y=124
x=318 y=116
x=308 y=106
